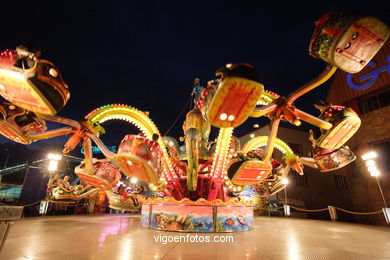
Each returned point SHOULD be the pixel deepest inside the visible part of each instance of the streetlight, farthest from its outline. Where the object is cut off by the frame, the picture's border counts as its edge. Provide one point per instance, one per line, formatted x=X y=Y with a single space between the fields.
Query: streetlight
x=133 y=180
x=53 y=163
x=52 y=167
x=286 y=206
x=369 y=159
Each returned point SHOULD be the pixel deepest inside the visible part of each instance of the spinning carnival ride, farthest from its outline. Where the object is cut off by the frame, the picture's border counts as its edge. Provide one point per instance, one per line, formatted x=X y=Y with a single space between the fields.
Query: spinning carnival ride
x=197 y=184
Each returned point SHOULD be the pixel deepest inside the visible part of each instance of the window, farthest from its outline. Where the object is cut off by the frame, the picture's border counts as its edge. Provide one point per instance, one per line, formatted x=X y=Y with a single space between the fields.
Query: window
x=300 y=180
x=341 y=182
x=297 y=148
x=10 y=192
x=384 y=98
x=374 y=102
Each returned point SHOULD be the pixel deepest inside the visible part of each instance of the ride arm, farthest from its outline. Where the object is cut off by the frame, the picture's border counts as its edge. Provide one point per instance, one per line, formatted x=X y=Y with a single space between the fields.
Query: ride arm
x=62 y=120
x=262 y=111
x=49 y=134
x=308 y=162
x=106 y=152
x=271 y=139
x=312 y=119
x=88 y=155
x=322 y=78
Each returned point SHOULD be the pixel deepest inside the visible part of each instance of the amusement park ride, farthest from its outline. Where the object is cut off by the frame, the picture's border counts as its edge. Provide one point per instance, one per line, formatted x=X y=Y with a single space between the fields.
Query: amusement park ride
x=195 y=183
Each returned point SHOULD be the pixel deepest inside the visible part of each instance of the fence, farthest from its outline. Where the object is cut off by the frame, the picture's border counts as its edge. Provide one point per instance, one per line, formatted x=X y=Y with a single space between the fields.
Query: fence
x=333 y=211
x=287 y=210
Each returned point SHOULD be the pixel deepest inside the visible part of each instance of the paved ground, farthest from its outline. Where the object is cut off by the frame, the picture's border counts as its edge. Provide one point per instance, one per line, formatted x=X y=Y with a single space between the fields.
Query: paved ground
x=121 y=237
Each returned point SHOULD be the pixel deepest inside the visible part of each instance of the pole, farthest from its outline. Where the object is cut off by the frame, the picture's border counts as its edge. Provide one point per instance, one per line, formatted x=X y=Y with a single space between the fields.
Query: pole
x=285 y=195
x=6 y=160
x=25 y=175
x=40 y=187
x=286 y=207
x=380 y=189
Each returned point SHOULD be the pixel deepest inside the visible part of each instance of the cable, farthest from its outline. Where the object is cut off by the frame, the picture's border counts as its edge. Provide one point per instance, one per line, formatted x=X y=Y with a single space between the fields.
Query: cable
x=360 y=213
x=309 y=210
x=181 y=112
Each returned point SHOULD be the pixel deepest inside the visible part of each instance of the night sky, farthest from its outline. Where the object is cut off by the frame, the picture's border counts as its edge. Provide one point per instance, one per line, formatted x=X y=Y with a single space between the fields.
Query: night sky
x=147 y=53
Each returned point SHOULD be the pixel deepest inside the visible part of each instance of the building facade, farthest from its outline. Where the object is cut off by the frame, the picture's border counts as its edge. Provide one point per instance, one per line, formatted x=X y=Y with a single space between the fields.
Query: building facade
x=368 y=93
x=27 y=181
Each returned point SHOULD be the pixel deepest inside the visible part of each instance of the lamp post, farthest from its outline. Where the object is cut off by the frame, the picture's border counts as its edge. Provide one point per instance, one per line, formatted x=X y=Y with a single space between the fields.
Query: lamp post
x=369 y=159
x=286 y=206
x=380 y=189
x=52 y=167
x=7 y=158
x=285 y=182
x=53 y=161
x=6 y=161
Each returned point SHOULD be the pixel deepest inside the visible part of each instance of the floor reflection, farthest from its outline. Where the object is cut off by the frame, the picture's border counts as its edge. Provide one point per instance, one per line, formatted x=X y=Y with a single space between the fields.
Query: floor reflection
x=113 y=228
x=122 y=237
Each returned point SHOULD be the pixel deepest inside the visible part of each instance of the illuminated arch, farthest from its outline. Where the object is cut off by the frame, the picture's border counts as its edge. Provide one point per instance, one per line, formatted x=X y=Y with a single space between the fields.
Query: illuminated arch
x=254 y=143
x=218 y=168
x=257 y=142
x=267 y=97
x=136 y=117
x=262 y=141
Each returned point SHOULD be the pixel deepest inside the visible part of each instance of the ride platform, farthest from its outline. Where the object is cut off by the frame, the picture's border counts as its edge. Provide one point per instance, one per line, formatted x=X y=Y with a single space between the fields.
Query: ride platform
x=121 y=236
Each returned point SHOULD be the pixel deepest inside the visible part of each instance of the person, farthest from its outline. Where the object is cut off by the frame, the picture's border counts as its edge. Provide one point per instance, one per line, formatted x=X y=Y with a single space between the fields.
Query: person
x=120 y=189
x=316 y=132
x=143 y=190
x=28 y=55
x=65 y=183
x=155 y=137
x=53 y=181
x=197 y=89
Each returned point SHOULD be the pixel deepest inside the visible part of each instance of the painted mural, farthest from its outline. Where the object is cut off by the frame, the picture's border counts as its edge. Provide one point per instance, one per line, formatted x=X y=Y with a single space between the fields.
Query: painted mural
x=182 y=218
x=145 y=215
x=234 y=218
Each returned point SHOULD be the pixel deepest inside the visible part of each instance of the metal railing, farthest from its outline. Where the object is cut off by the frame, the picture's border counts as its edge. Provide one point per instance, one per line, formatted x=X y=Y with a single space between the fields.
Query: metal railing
x=332 y=211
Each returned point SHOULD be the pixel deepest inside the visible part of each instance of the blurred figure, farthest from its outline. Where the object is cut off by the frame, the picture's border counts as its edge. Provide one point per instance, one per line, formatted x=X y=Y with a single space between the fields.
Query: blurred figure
x=65 y=183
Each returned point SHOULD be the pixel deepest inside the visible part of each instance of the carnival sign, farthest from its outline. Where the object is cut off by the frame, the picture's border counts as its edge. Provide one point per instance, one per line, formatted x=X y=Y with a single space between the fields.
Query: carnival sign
x=96 y=149
x=367 y=80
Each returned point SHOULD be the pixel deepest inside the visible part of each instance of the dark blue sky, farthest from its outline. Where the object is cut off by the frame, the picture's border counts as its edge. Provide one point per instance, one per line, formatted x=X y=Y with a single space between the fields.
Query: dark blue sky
x=147 y=53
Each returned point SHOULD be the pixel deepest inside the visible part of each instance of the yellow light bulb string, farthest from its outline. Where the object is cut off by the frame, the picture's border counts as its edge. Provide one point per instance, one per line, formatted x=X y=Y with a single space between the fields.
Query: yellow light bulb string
x=219 y=164
x=140 y=120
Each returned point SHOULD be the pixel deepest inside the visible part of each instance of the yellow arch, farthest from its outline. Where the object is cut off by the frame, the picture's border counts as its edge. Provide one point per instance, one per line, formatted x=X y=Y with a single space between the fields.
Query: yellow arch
x=267 y=97
x=134 y=116
x=262 y=141
x=218 y=168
